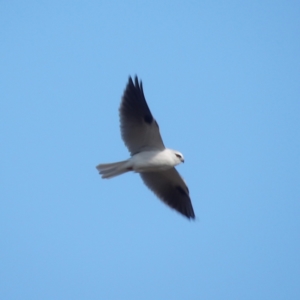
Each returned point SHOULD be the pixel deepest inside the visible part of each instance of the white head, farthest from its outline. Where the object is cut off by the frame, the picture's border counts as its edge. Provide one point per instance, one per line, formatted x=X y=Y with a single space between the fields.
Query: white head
x=178 y=157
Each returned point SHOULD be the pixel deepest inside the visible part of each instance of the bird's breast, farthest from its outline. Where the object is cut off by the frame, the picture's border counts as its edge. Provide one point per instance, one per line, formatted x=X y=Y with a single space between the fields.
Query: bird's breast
x=148 y=161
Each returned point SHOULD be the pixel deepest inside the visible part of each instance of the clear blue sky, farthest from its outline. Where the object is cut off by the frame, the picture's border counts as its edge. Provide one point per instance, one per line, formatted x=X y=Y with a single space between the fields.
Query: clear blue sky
x=222 y=78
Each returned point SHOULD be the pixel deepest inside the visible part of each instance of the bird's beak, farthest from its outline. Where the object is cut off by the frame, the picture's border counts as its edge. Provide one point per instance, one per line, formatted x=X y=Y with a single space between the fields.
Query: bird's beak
x=182 y=160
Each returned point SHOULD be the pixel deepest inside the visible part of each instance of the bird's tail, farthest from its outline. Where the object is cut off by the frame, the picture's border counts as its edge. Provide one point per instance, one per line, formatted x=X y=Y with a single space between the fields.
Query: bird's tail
x=113 y=169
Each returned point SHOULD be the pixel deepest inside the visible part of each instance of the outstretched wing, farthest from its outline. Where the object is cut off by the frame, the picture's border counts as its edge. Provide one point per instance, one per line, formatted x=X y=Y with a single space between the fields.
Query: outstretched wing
x=171 y=189
x=139 y=129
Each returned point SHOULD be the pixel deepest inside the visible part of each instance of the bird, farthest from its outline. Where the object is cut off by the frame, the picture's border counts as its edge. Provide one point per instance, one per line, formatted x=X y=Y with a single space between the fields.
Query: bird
x=149 y=157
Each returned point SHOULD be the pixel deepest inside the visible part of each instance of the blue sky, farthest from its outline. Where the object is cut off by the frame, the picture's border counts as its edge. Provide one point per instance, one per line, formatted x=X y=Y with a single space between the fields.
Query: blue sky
x=222 y=80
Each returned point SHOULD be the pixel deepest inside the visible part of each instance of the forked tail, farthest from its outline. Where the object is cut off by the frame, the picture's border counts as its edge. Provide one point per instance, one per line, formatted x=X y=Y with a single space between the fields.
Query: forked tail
x=113 y=169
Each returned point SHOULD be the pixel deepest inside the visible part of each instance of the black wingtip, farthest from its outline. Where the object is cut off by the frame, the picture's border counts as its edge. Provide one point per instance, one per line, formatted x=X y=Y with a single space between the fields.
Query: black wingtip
x=190 y=215
x=192 y=218
x=131 y=82
x=136 y=83
x=136 y=80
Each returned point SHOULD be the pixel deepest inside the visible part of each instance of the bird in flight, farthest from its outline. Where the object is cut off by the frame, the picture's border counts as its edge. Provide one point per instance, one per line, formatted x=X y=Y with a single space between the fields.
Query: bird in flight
x=149 y=157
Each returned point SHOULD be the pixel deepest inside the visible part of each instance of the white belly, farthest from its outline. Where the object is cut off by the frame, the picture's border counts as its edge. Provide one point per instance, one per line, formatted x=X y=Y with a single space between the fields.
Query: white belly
x=152 y=161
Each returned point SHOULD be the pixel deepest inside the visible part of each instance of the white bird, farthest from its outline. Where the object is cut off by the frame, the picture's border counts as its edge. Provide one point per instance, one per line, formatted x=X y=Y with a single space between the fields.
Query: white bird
x=149 y=157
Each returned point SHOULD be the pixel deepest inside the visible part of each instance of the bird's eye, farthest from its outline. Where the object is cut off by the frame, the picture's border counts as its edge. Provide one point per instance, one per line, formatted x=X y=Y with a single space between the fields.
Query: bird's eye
x=178 y=155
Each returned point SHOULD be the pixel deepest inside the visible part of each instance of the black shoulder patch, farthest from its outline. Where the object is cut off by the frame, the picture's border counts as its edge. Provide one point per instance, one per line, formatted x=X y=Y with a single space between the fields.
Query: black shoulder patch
x=148 y=119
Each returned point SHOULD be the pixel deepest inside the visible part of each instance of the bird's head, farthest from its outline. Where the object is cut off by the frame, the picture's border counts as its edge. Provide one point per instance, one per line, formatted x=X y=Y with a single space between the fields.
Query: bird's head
x=179 y=157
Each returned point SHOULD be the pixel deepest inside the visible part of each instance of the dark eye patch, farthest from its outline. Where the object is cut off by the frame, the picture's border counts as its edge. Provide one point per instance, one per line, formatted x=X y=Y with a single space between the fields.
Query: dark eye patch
x=178 y=155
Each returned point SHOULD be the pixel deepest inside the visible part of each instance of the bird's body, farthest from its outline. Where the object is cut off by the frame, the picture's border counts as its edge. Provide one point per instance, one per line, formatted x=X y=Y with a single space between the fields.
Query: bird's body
x=146 y=161
x=149 y=157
